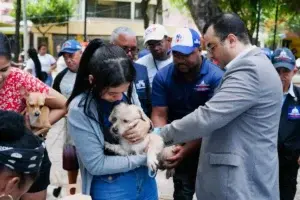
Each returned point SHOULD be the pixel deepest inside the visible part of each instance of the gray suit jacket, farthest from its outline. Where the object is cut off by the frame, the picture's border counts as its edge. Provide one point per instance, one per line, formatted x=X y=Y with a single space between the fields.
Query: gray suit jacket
x=239 y=127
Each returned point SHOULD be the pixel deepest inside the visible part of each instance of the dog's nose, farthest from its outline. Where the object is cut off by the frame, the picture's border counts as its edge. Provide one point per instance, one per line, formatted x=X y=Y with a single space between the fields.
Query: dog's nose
x=115 y=130
x=36 y=114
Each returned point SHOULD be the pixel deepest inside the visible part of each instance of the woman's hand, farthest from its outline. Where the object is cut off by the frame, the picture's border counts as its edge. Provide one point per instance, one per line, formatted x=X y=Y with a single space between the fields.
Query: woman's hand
x=137 y=132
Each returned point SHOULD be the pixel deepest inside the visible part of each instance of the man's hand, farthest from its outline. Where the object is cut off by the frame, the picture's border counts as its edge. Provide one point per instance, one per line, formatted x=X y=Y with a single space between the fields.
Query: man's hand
x=173 y=161
x=136 y=133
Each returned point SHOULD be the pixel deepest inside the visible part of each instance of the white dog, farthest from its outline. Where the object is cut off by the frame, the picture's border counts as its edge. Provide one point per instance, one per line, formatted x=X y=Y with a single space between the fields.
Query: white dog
x=121 y=117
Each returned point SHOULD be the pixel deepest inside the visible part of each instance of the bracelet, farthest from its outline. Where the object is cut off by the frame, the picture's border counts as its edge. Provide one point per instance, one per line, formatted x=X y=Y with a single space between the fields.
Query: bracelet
x=157 y=130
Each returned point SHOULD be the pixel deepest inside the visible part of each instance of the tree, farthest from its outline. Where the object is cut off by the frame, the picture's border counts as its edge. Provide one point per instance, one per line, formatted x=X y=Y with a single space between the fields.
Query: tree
x=45 y=13
x=17 y=30
x=144 y=9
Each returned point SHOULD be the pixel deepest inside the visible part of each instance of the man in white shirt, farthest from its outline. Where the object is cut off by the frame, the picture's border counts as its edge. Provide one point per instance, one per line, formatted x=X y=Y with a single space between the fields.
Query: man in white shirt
x=48 y=62
x=156 y=40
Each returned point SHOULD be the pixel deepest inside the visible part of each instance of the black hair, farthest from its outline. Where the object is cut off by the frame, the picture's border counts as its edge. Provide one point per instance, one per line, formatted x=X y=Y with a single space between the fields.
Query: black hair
x=13 y=133
x=228 y=23
x=5 y=49
x=110 y=67
x=42 y=45
x=32 y=53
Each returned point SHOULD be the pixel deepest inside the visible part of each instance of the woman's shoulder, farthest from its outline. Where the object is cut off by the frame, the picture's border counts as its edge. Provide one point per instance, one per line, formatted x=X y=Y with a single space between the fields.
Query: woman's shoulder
x=78 y=103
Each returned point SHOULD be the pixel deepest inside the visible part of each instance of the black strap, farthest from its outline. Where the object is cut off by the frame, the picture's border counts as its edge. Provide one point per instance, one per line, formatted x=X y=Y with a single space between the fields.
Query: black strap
x=155 y=64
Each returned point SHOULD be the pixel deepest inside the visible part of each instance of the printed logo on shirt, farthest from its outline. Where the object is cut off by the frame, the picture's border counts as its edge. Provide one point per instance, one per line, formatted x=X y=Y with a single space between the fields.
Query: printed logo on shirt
x=140 y=84
x=293 y=112
x=202 y=87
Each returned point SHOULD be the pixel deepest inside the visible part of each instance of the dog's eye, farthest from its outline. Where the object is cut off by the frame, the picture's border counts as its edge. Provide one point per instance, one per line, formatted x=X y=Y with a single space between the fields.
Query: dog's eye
x=41 y=107
x=125 y=121
x=113 y=119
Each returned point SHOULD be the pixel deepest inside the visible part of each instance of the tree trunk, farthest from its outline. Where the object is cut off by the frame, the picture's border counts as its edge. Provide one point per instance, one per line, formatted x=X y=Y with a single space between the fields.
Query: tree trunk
x=203 y=10
x=17 y=30
x=158 y=10
x=144 y=9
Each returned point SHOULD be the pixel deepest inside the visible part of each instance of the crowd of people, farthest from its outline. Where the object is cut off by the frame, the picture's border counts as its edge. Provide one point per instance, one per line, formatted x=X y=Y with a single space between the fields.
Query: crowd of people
x=234 y=115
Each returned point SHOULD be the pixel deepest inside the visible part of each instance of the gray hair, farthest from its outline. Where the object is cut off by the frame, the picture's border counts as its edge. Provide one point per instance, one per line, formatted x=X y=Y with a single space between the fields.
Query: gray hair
x=120 y=30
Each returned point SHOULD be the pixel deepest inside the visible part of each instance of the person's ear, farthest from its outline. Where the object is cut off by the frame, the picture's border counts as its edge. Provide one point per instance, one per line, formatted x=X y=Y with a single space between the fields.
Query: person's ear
x=91 y=79
x=295 y=70
x=12 y=186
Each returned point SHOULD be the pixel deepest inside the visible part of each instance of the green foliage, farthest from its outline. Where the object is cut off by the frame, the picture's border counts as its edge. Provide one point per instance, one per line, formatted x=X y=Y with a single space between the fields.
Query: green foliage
x=44 y=12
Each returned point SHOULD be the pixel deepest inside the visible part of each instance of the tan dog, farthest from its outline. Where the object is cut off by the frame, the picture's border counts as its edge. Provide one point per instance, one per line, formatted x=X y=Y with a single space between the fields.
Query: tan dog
x=38 y=112
x=121 y=117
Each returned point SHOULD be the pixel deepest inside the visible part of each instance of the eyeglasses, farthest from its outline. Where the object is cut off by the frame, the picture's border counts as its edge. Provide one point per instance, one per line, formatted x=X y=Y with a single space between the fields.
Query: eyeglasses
x=127 y=49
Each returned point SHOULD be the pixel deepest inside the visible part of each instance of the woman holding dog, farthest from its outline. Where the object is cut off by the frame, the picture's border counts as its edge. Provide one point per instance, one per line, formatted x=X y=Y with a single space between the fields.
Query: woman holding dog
x=13 y=82
x=21 y=154
x=105 y=74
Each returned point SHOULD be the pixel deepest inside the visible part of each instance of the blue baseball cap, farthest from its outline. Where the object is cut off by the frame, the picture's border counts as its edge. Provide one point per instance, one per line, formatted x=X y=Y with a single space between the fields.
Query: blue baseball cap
x=185 y=40
x=70 y=46
x=283 y=57
x=267 y=52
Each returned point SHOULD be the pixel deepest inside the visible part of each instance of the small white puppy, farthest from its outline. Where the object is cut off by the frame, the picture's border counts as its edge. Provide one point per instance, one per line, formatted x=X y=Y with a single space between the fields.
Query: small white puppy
x=121 y=117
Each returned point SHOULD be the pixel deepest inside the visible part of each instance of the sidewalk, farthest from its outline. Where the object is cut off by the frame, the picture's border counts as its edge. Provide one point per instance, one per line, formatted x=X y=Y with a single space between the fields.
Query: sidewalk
x=59 y=177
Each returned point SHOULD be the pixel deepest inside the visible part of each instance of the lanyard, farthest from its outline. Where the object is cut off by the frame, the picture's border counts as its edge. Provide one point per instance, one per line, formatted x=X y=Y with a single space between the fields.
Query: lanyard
x=155 y=64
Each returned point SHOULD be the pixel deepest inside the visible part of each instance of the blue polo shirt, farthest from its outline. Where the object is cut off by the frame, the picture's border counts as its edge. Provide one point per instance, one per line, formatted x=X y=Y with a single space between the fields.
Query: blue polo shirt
x=171 y=90
x=142 y=87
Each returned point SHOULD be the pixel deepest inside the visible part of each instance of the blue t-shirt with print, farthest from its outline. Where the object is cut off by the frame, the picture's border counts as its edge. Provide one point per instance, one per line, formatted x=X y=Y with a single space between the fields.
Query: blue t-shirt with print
x=143 y=88
x=171 y=90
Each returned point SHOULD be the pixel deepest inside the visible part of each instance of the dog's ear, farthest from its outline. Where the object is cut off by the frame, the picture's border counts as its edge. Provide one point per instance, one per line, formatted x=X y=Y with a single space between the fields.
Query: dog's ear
x=46 y=96
x=144 y=117
x=112 y=114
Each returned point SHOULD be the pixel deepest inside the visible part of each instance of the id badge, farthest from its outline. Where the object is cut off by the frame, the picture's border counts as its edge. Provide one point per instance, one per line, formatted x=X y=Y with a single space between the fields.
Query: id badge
x=294 y=112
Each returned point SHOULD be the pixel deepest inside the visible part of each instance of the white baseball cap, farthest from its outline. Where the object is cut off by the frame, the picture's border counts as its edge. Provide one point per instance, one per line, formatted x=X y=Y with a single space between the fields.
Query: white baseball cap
x=155 y=32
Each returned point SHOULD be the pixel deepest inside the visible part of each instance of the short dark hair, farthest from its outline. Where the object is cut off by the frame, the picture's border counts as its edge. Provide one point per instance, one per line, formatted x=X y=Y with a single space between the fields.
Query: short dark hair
x=42 y=45
x=228 y=23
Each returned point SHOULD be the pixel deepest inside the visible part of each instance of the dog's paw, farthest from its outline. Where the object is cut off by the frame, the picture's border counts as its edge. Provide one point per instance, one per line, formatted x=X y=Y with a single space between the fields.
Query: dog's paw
x=108 y=146
x=152 y=163
x=170 y=173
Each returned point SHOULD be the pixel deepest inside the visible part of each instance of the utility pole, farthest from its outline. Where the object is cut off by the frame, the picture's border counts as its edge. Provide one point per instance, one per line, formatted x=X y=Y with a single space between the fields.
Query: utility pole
x=25 y=31
x=85 y=13
x=17 y=30
x=258 y=21
x=275 y=28
x=67 y=25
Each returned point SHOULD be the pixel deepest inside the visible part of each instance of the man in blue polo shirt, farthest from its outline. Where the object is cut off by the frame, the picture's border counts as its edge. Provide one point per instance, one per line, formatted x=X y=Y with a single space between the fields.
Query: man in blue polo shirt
x=178 y=90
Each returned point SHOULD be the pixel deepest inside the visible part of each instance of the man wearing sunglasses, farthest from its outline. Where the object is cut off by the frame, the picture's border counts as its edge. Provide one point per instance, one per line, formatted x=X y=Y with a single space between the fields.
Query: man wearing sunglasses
x=289 y=126
x=239 y=124
x=125 y=38
x=157 y=41
x=178 y=90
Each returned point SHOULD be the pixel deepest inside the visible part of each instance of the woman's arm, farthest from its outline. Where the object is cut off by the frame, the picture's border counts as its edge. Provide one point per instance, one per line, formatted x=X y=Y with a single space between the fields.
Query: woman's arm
x=57 y=104
x=90 y=147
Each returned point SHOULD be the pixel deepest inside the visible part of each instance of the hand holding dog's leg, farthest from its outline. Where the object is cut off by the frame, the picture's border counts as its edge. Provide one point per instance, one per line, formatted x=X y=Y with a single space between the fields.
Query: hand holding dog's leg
x=115 y=148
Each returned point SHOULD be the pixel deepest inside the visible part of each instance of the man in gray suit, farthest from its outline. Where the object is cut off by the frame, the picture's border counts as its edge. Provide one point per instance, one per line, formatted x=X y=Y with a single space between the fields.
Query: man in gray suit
x=239 y=125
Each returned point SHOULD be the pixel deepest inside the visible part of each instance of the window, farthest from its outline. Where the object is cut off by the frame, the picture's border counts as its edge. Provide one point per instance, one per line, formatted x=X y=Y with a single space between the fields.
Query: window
x=108 y=9
x=138 y=11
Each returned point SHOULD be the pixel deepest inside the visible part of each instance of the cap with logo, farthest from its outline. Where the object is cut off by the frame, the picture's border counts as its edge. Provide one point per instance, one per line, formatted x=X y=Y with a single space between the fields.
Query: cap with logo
x=70 y=46
x=155 y=32
x=185 y=40
x=267 y=52
x=283 y=57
